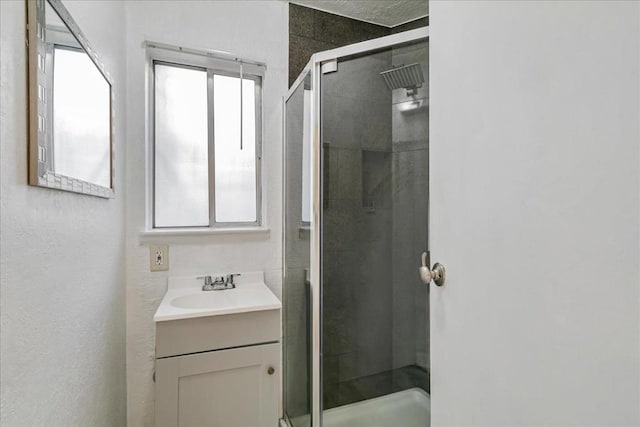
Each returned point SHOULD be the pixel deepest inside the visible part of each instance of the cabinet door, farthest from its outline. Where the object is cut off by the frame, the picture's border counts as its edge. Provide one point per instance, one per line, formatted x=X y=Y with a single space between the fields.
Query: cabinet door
x=230 y=388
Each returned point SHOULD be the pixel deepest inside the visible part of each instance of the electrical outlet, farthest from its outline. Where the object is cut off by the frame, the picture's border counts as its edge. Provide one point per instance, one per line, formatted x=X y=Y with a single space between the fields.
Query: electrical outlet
x=159 y=257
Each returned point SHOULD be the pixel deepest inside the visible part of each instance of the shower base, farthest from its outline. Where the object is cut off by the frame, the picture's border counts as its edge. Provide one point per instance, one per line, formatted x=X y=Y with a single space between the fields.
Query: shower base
x=407 y=408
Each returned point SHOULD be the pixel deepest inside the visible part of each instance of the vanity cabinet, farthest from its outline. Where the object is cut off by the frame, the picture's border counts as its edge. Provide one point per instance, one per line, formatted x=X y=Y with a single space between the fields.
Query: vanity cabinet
x=231 y=388
x=218 y=355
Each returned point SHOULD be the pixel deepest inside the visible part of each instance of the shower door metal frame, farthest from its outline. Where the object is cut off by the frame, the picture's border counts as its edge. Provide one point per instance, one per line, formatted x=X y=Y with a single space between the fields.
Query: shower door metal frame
x=313 y=68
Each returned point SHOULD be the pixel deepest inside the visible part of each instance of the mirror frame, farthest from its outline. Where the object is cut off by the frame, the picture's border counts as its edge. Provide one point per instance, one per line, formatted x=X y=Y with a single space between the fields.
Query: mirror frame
x=41 y=172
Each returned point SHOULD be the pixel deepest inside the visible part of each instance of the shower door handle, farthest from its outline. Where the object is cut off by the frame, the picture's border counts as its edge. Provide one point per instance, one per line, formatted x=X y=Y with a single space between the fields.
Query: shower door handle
x=438 y=274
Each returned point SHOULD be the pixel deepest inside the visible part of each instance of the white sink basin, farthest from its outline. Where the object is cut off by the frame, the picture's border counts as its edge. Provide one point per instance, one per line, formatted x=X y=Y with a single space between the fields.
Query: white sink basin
x=186 y=299
x=219 y=299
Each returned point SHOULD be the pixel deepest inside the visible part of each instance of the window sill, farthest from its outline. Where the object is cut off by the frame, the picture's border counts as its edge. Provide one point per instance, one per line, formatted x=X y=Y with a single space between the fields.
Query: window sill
x=192 y=234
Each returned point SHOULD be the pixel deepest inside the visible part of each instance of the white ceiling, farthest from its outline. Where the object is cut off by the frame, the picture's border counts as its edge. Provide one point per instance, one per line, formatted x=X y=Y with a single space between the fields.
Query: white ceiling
x=382 y=12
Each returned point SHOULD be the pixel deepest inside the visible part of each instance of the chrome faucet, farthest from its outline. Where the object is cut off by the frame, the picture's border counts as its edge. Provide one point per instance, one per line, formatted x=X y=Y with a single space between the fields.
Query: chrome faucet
x=218 y=283
x=215 y=284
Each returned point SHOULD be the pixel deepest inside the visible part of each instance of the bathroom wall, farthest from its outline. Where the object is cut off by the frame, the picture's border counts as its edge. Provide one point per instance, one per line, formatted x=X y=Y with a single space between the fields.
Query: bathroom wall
x=256 y=30
x=62 y=262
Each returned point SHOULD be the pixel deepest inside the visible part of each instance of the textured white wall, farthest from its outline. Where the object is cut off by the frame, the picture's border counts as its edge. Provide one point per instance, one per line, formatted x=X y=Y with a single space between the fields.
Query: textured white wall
x=256 y=30
x=535 y=130
x=62 y=256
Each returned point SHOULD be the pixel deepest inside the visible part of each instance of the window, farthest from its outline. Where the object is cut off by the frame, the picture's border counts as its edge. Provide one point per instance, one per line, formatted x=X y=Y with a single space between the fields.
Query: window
x=206 y=144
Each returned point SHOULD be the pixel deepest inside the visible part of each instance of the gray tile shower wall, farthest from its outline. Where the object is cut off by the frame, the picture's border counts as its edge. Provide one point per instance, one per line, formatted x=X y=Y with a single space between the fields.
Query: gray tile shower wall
x=420 y=22
x=312 y=31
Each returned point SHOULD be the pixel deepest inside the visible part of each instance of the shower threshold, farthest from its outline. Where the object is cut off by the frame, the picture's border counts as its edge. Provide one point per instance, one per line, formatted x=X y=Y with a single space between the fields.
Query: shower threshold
x=407 y=408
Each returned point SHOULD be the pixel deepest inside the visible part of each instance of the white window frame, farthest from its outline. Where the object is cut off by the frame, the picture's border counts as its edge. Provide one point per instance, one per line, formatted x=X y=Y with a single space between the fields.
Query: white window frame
x=213 y=63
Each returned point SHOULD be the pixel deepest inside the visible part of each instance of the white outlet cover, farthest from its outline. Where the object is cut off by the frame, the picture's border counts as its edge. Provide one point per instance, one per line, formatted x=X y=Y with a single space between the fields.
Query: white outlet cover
x=159 y=257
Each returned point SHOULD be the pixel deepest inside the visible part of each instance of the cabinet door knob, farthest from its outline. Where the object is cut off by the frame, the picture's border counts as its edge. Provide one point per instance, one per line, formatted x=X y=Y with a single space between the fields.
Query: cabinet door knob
x=270 y=371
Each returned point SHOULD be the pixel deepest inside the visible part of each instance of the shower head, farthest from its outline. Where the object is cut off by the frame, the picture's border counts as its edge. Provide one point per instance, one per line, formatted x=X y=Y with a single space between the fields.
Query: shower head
x=409 y=77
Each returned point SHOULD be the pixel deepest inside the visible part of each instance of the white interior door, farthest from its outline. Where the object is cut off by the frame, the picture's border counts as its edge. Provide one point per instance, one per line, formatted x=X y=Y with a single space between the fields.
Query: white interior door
x=534 y=139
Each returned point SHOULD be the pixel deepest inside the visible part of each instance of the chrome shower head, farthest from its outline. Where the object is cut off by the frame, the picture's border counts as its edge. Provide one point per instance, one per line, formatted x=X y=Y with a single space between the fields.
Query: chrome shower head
x=409 y=77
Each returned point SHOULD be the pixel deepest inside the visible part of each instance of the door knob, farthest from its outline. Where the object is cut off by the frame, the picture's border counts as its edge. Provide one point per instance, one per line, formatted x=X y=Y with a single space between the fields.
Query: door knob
x=438 y=274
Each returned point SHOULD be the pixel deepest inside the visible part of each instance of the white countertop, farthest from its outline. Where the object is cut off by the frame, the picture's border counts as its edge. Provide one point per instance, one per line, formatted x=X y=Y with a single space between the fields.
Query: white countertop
x=185 y=298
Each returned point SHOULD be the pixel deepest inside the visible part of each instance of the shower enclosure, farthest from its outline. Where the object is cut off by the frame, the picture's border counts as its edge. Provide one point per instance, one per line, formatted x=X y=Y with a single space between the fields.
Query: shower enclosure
x=356 y=321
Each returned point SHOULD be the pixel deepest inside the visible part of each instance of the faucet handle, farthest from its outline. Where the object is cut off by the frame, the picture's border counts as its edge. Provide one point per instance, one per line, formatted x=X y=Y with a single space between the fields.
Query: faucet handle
x=228 y=280
x=207 y=280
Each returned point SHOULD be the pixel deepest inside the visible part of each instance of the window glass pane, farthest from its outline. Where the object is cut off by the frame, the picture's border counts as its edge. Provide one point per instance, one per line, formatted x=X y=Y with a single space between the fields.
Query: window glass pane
x=81 y=118
x=235 y=168
x=181 y=148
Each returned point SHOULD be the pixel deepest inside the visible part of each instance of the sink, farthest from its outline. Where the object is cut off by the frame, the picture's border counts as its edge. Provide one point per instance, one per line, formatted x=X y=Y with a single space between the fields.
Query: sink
x=218 y=299
x=186 y=299
x=190 y=320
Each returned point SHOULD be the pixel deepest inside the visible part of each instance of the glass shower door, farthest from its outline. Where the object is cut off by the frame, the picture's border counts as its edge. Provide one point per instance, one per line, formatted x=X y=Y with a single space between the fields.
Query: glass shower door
x=374 y=132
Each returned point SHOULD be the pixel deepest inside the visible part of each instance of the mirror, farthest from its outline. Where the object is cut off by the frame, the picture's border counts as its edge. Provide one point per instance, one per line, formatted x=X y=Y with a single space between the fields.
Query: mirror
x=71 y=132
